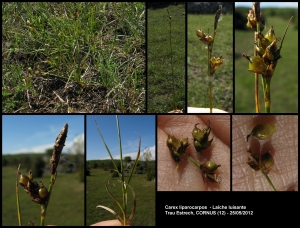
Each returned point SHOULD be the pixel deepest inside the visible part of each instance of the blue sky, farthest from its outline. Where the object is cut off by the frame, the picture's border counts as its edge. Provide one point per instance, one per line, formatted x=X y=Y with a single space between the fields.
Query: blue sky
x=269 y=4
x=36 y=133
x=143 y=124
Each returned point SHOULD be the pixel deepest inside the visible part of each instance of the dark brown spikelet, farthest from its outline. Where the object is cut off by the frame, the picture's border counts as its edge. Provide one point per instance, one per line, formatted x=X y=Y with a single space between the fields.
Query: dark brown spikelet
x=57 y=149
x=217 y=17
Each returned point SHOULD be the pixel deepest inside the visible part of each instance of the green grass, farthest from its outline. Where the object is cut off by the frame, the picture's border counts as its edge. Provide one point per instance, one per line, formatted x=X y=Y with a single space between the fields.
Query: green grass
x=91 y=54
x=159 y=66
x=222 y=90
x=284 y=83
x=66 y=206
x=97 y=195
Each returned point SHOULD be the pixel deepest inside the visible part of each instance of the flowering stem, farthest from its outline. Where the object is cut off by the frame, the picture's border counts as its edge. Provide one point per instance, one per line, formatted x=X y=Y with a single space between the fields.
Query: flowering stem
x=173 y=79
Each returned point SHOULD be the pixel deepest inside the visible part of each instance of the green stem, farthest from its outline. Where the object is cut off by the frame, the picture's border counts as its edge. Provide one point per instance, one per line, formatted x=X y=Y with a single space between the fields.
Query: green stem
x=210 y=47
x=193 y=161
x=124 y=190
x=257 y=105
x=268 y=179
x=45 y=206
x=267 y=94
x=18 y=201
x=43 y=214
x=209 y=50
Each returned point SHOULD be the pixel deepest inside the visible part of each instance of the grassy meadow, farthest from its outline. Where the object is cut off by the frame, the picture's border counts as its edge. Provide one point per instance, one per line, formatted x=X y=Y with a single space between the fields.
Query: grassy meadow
x=73 y=57
x=284 y=83
x=222 y=89
x=96 y=194
x=166 y=71
x=66 y=206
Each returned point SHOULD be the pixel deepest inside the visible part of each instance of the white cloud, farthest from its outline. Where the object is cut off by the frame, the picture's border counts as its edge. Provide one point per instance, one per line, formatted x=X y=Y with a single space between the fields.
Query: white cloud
x=35 y=149
x=42 y=148
x=77 y=141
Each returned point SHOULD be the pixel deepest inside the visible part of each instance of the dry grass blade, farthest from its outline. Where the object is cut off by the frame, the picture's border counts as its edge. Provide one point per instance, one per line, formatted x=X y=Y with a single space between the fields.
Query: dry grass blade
x=111 y=211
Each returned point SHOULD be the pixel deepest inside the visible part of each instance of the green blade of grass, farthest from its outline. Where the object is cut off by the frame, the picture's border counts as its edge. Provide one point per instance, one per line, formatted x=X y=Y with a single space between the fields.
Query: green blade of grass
x=107 y=149
x=136 y=160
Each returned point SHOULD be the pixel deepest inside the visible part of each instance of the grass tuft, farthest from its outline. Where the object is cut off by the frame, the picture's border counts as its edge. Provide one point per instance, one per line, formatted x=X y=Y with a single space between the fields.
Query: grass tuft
x=73 y=57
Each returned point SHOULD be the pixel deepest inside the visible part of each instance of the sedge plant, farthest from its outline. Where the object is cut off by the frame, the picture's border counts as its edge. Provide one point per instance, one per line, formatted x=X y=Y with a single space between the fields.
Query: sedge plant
x=266 y=54
x=176 y=110
x=212 y=63
x=40 y=194
x=124 y=184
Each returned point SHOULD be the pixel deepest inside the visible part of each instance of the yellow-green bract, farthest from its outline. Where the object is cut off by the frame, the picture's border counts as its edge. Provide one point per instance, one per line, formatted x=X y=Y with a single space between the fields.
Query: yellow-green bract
x=209 y=167
x=262 y=131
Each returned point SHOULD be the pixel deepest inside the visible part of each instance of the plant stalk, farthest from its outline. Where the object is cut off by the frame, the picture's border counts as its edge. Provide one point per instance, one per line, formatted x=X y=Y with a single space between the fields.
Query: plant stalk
x=267 y=94
x=209 y=50
x=257 y=104
x=173 y=79
x=268 y=179
x=192 y=161
x=122 y=207
x=124 y=190
x=18 y=201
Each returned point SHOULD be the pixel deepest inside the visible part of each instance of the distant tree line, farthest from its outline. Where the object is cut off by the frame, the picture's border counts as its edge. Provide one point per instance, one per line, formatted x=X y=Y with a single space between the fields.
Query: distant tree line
x=143 y=167
x=40 y=163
